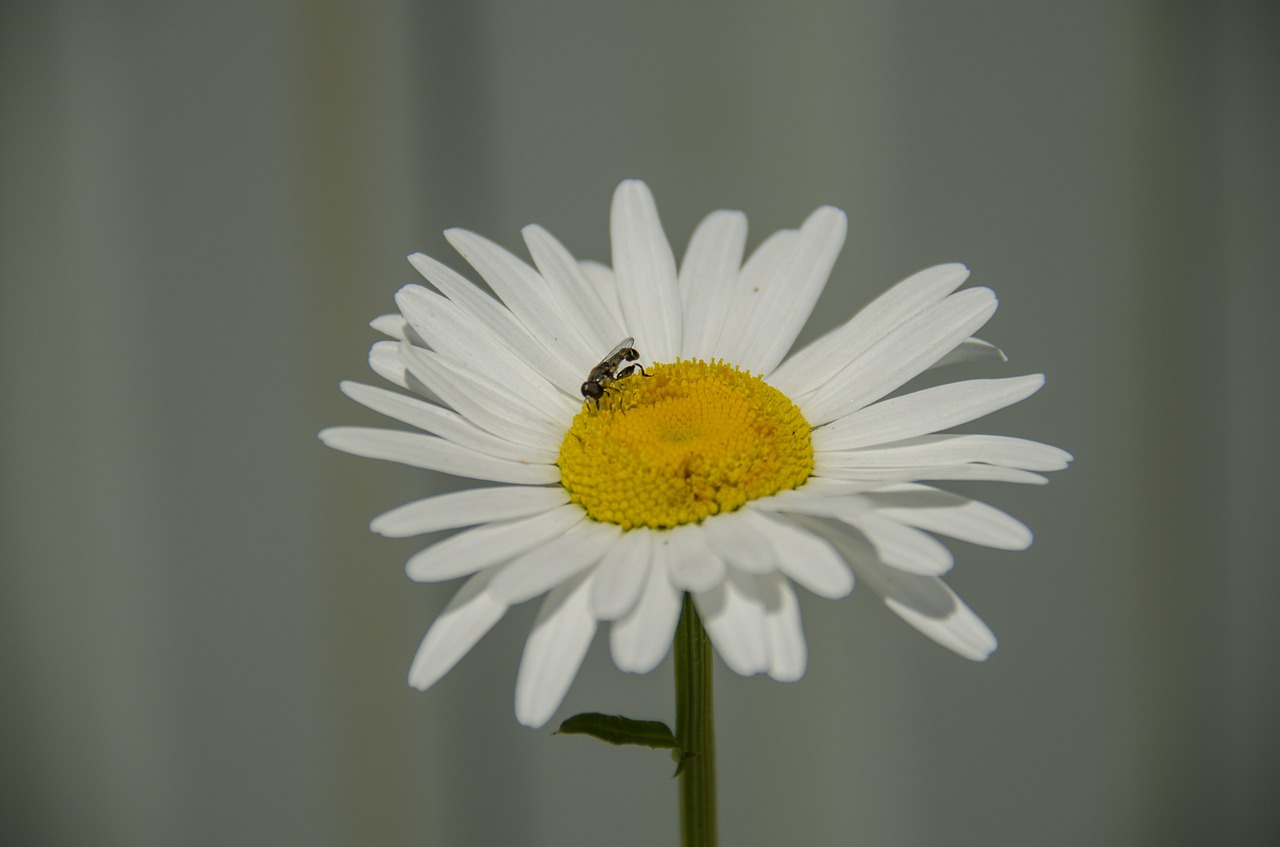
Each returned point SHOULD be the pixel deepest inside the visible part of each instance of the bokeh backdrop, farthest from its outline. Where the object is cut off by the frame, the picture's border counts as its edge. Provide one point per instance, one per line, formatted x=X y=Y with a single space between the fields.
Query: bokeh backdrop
x=204 y=203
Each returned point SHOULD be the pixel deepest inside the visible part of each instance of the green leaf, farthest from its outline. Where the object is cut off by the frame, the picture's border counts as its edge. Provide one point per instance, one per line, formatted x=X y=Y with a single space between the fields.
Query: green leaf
x=616 y=729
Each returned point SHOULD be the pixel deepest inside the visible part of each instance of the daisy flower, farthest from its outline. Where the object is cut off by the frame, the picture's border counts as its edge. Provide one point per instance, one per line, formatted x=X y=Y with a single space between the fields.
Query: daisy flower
x=717 y=467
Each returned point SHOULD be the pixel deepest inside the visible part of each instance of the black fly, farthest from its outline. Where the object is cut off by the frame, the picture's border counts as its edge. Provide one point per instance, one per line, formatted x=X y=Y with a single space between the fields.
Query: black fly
x=610 y=369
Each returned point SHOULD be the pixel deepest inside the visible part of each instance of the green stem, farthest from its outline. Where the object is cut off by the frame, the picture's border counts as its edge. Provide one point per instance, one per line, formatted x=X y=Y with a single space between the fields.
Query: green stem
x=695 y=731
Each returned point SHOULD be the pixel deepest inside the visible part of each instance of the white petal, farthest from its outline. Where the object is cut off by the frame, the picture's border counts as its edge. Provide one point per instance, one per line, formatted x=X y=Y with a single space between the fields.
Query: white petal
x=733 y=615
x=928 y=604
x=788 y=653
x=760 y=266
x=693 y=567
x=646 y=272
x=554 y=652
x=923 y=412
x=804 y=557
x=641 y=639
x=525 y=293
x=470 y=614
x=483 y=402
x=828 y=504
x=953 y=450
x=825 y=487
x=606 y=285
x=900 y=355
x=707 y=277
x=475 y=549
x=467 y=508
x=950 y=514
x=787 y=297
x=554 y=562
x=876 y=477
x=444 y=423
x=818 y=362
x=734 y=540
x=905 y=548
x=621 y=575
x=502 y=324
x=925 y=602
x=898 y=545
x=384 y=358
x=458 y=336
x=972 y=350
x=489 y=387
x=572 y=290
x=393 y=325
x=427 y=451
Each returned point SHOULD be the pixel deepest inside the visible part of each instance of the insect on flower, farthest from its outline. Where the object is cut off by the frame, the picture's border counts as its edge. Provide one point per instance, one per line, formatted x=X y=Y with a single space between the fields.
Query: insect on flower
x=610 y=369
x=810 y=468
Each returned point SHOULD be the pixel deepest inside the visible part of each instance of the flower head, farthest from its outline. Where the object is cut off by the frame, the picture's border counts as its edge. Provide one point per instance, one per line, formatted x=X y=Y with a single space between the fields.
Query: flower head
x=697 y=460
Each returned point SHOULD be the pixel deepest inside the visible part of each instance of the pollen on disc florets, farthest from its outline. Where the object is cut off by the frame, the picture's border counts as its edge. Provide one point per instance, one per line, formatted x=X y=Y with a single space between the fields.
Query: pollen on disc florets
x=690 y=440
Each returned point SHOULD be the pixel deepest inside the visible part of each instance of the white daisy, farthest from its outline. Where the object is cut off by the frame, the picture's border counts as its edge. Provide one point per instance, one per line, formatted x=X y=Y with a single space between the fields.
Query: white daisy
x=722 y=470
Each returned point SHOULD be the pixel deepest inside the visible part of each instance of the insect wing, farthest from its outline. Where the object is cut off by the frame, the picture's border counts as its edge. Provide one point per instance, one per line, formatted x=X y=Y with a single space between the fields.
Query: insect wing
x=615 y=354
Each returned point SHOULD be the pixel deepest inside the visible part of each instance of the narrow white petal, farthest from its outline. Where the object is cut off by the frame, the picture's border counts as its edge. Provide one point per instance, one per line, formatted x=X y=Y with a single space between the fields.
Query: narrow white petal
x=497 y=317
x=394 y=326
x=640 y=640
x=483 y=402
x=731 y=345
x=822 y=486
x=803 y=556
x=707 y=277
x=646 y=271
x=787 y=297
x=734 y=617
x=876 y=477
x=952 y=515
x=554 y=562
x=826 y=504
x=458 y=336
x=502 y=324
x=1000 y=450
x=427 y=451
x=928 y=604
x=818 y=362
x=904 y=548
x=900 y=355
x=693 y=567
x=923 y=412
x=898 y=545
x=444 y=423
x=486 y=387
x=470 y=614
x=972 y=350
x=554 y=651
x=525 y=293
x=468 y=508
x=733 y=539
x=788 y=653
x=384 y=359
x=621 y=575
x=925 y=602
x=475 y=549
x=572 y=290
x=602 y=278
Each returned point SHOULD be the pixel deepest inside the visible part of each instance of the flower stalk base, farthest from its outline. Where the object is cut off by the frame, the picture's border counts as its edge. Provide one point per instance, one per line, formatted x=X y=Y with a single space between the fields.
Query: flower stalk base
x=695 y=730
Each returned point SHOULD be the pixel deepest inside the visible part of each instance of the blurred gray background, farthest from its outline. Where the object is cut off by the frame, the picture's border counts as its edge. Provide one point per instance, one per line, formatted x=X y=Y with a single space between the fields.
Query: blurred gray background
x=203 y=204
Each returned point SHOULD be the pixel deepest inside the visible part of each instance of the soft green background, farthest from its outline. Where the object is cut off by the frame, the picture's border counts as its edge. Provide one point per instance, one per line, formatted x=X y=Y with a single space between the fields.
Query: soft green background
x=202 y=644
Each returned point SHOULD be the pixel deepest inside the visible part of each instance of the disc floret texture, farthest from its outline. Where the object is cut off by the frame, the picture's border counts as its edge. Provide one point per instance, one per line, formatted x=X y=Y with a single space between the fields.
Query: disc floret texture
x=728 y=469
x=686 y=441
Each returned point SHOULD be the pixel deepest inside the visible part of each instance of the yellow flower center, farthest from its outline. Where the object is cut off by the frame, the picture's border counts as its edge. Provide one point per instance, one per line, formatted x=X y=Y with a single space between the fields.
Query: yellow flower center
x=692 y=439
